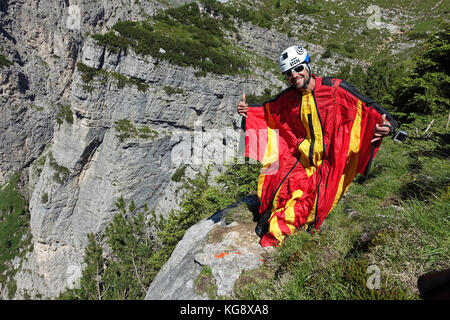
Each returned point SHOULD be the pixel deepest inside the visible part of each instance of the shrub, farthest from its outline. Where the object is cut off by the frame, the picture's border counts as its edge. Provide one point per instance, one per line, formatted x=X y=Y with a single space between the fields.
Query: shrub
x=88 y=75
x=252 y=98
x=426 y=90
x=179 y=173
x=4 y=62
x=127 y=130
x=61 y=172
x=64 y=114
x=171 y=90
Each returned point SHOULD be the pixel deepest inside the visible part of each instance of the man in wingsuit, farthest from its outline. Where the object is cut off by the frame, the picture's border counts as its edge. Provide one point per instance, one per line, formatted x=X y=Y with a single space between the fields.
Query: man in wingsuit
x=312 y=139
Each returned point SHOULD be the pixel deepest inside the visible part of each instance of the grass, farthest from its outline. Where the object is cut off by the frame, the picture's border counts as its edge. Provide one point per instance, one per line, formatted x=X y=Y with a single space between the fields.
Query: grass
x=397 y=221
x=206 y=283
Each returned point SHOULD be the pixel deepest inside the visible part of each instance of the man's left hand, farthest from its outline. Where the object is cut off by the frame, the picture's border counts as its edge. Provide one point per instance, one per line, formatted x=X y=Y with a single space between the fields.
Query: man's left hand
x=383 y=130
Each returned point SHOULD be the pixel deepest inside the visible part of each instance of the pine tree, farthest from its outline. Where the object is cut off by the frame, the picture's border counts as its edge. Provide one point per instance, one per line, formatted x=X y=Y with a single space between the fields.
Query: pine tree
x=427 y=90
x=92 y=285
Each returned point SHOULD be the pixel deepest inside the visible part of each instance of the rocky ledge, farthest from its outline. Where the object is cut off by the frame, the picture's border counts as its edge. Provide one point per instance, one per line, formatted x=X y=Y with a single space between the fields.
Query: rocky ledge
x=225 y=244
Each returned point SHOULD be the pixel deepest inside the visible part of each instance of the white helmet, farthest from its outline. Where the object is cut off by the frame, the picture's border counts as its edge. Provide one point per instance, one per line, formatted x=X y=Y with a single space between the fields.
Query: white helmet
x=292 y=57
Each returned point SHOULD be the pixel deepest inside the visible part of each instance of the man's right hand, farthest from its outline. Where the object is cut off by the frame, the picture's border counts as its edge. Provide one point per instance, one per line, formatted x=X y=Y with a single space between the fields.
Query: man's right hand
x=242 y=106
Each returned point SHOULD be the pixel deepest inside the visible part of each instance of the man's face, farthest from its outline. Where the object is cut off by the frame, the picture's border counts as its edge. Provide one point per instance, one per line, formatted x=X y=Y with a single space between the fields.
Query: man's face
x=298 y=78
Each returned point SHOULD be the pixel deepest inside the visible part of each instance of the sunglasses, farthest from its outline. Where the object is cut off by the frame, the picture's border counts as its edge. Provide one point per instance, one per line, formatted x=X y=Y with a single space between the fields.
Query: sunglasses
x=298 y=69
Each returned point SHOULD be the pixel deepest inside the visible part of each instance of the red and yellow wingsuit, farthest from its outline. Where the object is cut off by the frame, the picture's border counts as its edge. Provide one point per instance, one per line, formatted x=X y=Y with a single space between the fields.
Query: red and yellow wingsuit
x=311 y=145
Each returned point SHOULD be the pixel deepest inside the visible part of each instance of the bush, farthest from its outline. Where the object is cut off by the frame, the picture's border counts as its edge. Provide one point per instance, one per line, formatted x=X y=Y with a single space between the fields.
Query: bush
x=61 y=172
x=127 y=130
x=377 y=82
x=179 y=174
x=64 y=114
x=4 y=62
x=88 y=75
x=327 y=54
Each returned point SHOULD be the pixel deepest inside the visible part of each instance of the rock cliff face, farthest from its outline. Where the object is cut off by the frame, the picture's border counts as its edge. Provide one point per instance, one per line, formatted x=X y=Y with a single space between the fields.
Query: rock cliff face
x=62 y=134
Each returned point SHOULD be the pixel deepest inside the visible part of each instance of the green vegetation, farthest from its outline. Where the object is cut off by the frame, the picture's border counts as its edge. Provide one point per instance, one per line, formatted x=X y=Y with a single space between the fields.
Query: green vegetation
x=397 y=221
x=206 y=283
x=252 y=98
x=179 y=173
x=141 y=243
x=88 y=75
x=38 y=165
x=44 y=198
x=127 y=272
x=4 y=62
x=171 y=90
x=64 y=114
x=423 y=91
x=427 y=89
x=341 y=26
x=186 y=36
x=202 y=199
x=127 y=130
x=377 y=81
x=240 y=213
x=61 y=172
x=14 y=232
x=267 y=13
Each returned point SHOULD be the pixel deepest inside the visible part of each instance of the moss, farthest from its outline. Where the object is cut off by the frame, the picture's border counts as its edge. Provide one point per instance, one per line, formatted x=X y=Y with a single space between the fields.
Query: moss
x=240 y=214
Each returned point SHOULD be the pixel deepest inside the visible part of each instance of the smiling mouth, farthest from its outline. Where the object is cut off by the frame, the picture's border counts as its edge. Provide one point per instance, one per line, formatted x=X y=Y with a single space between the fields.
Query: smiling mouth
x=298 y=81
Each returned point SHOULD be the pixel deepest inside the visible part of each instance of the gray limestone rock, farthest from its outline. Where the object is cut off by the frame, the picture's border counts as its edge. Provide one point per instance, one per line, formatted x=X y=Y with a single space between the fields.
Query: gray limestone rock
x=228 y=249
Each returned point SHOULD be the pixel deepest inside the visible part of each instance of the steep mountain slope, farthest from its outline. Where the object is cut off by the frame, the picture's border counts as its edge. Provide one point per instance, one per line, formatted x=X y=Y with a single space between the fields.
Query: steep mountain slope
x=90 y=113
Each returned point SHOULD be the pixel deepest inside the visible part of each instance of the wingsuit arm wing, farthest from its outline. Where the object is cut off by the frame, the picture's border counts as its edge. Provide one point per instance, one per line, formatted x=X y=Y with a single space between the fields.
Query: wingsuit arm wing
x=252 y=141
x=370 y=116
